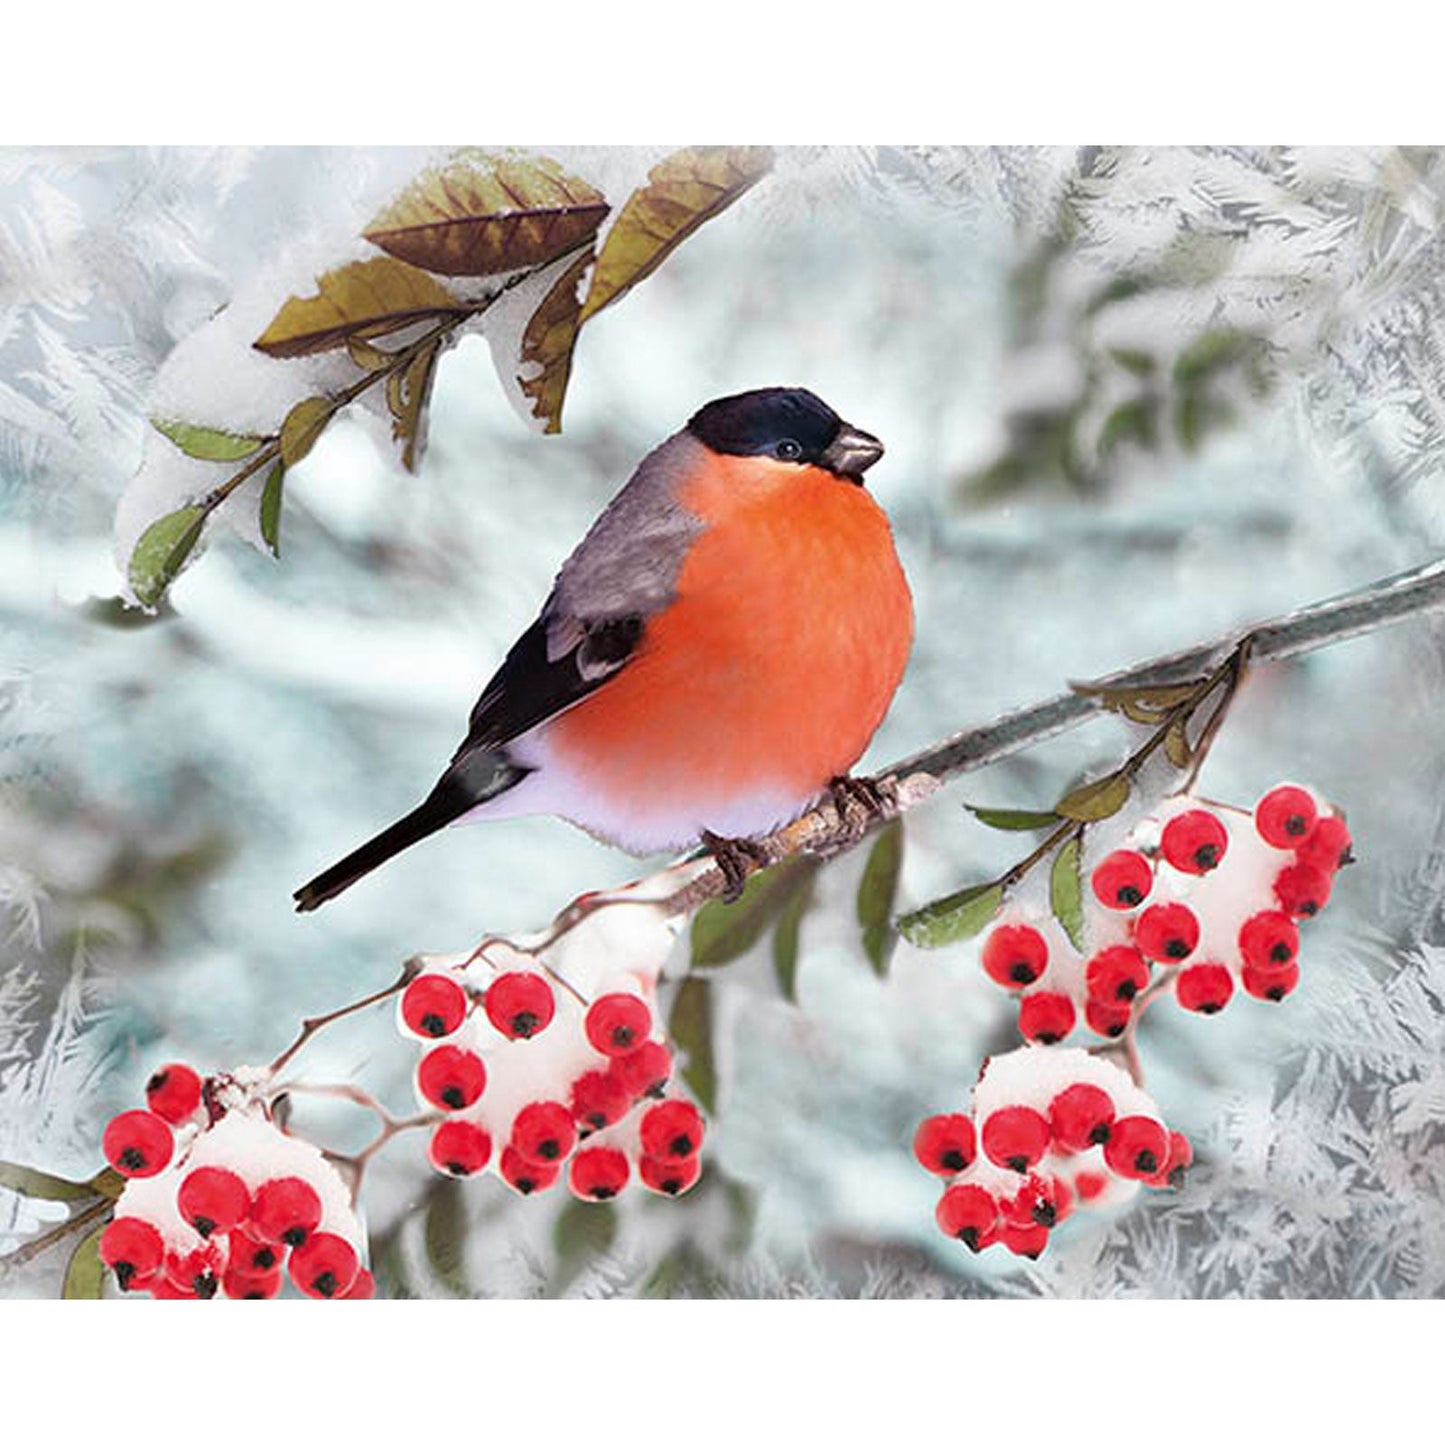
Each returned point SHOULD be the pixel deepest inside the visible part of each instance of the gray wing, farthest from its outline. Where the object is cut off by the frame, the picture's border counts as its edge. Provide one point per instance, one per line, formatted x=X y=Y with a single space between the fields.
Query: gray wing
x=622 y=572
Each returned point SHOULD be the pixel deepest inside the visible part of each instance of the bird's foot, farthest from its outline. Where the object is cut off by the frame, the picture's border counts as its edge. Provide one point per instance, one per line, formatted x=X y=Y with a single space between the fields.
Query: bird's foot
x=859 y=803
x=737 y=858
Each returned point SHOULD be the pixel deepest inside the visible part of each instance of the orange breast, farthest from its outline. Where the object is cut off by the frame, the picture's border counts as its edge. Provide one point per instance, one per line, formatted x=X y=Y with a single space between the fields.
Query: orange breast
x=774 y=666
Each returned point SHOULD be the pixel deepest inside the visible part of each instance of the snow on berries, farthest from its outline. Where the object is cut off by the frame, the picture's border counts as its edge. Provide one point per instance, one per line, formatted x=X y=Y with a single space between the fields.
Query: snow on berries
x=544 y=1083
x=1057 y=1128
x=221 y=1202
x=1199 y=902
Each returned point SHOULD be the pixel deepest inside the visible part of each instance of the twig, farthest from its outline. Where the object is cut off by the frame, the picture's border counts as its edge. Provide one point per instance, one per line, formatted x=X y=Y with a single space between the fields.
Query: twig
x=409 y=971
x=42 y=1242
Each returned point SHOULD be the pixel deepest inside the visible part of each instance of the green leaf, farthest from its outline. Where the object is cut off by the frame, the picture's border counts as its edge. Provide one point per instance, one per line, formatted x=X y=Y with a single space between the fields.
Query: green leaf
x=1138 y=362
x=271 y=508
x=1066 y=892
x=85 y=1274
x=1210 y=353
x=584 y=1232
x=1131 y=421
x=786 y=939
x=1013 y=820
x=947 y=920
x=36 y=1184
x=206 y=443
x=303 y=425
x=876 y=892
x=162 y=551
x=690 y=1026
x=722 y=932
x=446 y=1236
x=1090 y=802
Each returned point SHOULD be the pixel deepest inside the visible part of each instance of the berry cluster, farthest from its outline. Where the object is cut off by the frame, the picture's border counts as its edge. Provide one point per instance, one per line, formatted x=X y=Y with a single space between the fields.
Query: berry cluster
x=1213 y=896
x=219 y=1200
x=534 y=1081
x=1050 y=1130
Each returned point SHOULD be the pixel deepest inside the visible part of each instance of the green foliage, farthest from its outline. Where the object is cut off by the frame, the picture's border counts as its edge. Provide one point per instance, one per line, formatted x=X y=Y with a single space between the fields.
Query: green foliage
x=691 y=1026
x=877 y=890
x=162 y=551
x=85 y=1274
x=1066 y=892
x=949 y=920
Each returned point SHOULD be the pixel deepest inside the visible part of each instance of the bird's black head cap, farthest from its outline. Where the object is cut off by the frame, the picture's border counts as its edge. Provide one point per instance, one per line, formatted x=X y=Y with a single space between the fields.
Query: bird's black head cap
x=788 y=423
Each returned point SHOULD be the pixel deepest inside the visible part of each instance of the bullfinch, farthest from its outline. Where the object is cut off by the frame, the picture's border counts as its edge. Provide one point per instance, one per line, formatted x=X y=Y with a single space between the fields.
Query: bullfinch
x=714 y=656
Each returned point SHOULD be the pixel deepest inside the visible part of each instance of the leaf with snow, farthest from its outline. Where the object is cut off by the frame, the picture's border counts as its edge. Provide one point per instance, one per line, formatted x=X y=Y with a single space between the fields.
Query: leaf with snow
x=682 y=192
x=163 y=550
x=207 y=444
x=359 y=300
x=408 y=392
x=485 y=214
x=545 y=363
x=303 y=427
x=950 y=920
x=271 y=508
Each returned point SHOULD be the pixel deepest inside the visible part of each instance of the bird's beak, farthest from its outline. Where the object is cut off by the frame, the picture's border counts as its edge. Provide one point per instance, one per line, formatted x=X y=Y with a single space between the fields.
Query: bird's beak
x=851 y=453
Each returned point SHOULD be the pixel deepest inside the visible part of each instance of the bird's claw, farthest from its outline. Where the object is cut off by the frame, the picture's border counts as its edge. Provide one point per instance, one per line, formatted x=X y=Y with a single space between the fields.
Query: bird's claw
x=858 y=801
x=736 y=858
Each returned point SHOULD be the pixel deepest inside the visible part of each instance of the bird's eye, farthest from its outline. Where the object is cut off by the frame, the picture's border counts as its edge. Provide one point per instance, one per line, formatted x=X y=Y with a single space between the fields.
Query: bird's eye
x=788 y=450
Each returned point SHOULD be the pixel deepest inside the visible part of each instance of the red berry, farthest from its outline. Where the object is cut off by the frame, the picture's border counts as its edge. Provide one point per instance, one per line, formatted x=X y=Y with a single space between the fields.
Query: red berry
x=1123 y=879
x=598 y=1099
x=1302 y=889
x=1109 y=1019
x=1080 y=1116
x=1045 y=1018
x=363 y=1286
x=1116 y=974
x=526 y=1175
x=250 y=1254
x=162 y=1288
x=520 y=1004
x=672 y=1129
x=138 y=1143
x=197 y=1272
x=1167 y=932
x=243 y=1284
x=1015 y=1137
x=1090 y=1185
x=669 y=1175
x=1284 y=816
x=1028 y=1240
x=969 y=1213
x=285 y=1211
x=1063 y=1200
x=1269 y=939
x=617 y=1023
x=645 y=1070
x=945 y=1144
x=325 y=1267
x=1194 y=842
x=213 y=1201
x=598 y=1173
x=451 y=1077
x=543 y=1132
x=1138 y=1146
x=1181 y=1156
x=433 y=1005
x=134 y=1249
x=174 y=1092
x=459 y=1148
x=1014 y=955
x=1204 y=987
x=1328 y=846
x=1272 y=984
x=1035 y=1203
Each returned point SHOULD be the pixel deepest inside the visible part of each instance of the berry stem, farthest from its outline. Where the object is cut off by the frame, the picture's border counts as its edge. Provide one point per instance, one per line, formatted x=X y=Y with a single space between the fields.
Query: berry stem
x=91 y=1214
x=409 y=971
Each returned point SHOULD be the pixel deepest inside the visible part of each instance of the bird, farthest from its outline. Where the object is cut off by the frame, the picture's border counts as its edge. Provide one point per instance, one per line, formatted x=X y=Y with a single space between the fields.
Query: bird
x=713 y=657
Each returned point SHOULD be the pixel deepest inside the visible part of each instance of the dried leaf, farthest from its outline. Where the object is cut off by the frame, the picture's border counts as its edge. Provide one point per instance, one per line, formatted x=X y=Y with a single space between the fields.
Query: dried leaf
x=947 y=920
x=408 y=392
x=1176 y=744
x=1090 y=802
x=162 y=551
x=271 y=508
x=1013 y=820
x=207 y=443
x=877 y=890
x=682 y=192
x=547 y=344
x=1149 y=702
x=722 y=932
x=1066 y=892
x=484 y=214
x=361 y=298
x=690 y=1027
x=36 y=1184
x=367 y=356
x=303 y=425
x=85 y=1274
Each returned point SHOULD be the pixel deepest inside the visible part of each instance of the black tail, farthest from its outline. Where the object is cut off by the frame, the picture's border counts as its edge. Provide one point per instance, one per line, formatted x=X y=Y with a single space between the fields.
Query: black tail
x=469 y=781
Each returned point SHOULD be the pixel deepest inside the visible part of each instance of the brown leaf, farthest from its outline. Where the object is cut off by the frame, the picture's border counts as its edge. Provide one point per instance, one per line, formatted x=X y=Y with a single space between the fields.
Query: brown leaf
x=362 y=298
x=1176 y=744
x=484 y=214
x=547 y=345
x=684 y=190
x=1143 y=704
x=304 y=423
x=407 y=393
